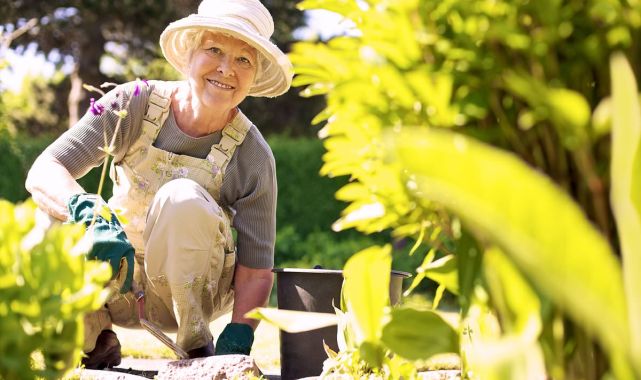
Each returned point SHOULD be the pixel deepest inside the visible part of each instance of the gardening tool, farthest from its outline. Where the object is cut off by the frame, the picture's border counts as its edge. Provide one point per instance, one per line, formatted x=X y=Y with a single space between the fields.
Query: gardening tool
x=152 y=328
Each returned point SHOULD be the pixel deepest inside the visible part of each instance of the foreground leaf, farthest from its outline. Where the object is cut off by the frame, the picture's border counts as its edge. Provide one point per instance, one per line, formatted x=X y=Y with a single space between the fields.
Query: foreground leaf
x=416 y=334
x=517 y=304
x=626 y=186
x=366 y=288
x=537 y=225
x=293 y=321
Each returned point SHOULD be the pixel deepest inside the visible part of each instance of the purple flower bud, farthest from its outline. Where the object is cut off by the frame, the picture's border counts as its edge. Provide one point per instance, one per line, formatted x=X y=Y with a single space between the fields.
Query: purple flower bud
x=96 y=108
x=138 y=87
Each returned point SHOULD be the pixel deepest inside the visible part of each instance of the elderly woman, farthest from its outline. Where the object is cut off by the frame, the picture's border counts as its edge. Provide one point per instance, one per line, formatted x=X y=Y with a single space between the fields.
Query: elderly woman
x=187 y=166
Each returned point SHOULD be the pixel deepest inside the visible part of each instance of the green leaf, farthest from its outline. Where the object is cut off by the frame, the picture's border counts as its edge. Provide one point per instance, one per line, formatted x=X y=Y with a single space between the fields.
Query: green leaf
x=372 y=353
x=626 y=186
x=568 y=110
x=415 y=334
x=366 y=288
x=420 y=273
x=52 y=289
x=602 y=118
x=293 y=321
x=445 y=272
x=509 y=358
x=516 y=302
x=503 y=200
x=469 y=261
x=570 y=113
x=438 y=296
x=492 y=354
x=341 y=7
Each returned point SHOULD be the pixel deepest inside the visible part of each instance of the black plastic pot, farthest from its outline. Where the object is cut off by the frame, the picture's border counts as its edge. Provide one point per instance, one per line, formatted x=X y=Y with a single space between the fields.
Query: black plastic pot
x=302 y=354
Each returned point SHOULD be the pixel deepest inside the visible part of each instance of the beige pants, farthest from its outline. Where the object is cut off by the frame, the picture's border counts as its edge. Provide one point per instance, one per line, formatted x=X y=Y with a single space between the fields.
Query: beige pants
x=186 y=270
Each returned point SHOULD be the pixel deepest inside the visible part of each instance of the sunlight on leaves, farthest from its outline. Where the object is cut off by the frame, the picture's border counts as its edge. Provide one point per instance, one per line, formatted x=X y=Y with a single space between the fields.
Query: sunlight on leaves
x=516 y=303
x=293 y=321
x=626 y=186
x=535 y=223
x=366 y=288
x=416 y=334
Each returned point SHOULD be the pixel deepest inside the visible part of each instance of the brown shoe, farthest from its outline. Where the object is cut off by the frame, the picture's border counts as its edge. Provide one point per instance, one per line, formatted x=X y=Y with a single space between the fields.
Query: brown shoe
x=106 y=354
x=202 y=352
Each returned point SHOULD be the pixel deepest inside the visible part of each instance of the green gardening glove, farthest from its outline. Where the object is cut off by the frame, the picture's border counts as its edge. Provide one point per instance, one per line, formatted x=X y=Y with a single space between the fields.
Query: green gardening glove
x=236 y=338
x=109 y=240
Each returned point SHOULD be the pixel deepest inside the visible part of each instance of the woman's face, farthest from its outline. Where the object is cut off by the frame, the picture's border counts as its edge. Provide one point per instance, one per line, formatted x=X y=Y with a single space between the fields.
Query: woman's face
x=222 y=70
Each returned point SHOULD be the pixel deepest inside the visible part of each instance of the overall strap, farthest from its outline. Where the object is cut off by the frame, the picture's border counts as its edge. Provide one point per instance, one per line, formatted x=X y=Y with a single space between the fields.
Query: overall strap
x=157 y=110
x=232 y=136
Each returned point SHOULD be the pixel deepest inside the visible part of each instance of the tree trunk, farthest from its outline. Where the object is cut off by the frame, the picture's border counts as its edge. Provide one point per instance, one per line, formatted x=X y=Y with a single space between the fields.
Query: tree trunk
x=75 y=96
x=87 y=52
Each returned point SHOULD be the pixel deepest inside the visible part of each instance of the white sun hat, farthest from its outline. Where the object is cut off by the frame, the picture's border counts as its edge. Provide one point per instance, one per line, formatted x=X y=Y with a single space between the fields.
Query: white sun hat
x=247 y=20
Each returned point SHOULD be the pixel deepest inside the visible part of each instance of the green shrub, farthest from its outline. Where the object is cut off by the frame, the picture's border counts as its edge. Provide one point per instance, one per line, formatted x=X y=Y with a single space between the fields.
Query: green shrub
x=13 y=169
x=44 y=292
x=18 y=154
x=305 y=199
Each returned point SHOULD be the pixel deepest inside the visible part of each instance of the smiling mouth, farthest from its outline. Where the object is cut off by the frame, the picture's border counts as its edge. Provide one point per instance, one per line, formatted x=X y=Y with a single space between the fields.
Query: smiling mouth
x=220 y=85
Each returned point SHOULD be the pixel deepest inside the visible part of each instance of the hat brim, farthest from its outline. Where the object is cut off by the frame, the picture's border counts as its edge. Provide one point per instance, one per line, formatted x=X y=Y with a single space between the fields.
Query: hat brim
x=276 y=73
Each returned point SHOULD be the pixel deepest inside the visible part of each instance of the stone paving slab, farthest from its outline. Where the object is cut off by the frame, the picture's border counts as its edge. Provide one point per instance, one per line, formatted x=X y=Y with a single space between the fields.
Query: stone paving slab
x=93 y=374
x=216 y=367
x=213 y=367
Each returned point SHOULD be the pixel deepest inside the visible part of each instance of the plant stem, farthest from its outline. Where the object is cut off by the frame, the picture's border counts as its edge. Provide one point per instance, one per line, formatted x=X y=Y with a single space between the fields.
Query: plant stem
x=108 y=151
x=585 y=164
x=507 y=129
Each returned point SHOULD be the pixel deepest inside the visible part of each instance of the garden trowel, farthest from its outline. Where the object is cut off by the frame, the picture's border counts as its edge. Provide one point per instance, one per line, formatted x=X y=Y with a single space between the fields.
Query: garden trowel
x=152 y=328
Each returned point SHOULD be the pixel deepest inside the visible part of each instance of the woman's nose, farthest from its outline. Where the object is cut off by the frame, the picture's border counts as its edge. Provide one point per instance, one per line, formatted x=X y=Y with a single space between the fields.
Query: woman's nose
x=225 y=67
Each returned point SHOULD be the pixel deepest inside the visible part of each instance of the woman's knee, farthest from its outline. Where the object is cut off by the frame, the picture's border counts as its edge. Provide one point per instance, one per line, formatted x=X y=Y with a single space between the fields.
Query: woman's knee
x=184 y=198
x=182 y=208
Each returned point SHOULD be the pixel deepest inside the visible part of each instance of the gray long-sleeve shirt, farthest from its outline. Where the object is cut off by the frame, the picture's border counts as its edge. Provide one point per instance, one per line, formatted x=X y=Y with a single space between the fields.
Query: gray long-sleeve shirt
x=249 y=186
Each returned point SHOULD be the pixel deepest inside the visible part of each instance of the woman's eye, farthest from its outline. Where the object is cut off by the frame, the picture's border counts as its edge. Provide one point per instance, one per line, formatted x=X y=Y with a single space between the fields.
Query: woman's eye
x=244 y=61
x=215 y=50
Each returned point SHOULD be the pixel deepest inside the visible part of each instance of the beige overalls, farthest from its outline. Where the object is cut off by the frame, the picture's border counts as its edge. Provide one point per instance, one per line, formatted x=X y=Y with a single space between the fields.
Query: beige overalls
x=185 y=251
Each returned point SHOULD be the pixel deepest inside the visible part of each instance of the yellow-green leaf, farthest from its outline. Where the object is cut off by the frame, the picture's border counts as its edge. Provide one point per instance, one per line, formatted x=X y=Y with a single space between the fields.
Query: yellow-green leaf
x=625 y=194
x=293 y=321
x=366 y=289
x=515 y=301
x=416 y=334
x=444 y=271
x=535 y=223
